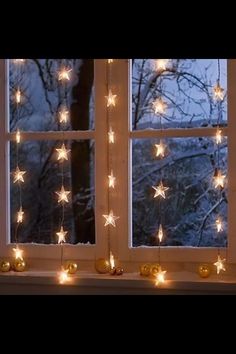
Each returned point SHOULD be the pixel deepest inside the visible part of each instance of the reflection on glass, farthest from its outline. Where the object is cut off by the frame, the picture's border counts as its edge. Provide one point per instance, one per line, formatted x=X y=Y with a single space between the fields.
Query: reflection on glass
x=187 y=88
x=42 y=213
x=194 y=212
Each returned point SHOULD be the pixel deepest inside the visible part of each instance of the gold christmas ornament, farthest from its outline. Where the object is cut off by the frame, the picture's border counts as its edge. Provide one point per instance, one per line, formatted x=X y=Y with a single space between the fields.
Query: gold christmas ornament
x=19 y=265
x=5 y=266
x=102 y=265
x=119 y=271
x=154 y=269
x=71 y=267
x=204 y=270
x=145 y=269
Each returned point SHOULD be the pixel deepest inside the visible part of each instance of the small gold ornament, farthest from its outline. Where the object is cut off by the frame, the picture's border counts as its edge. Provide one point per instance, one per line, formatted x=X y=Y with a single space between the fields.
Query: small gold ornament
x=154 y=269
x=71 y=267
x=102 y=265
x=204 y=270
x=19 y=265
x=5 y=266
x=145 y=269
x=119 y=271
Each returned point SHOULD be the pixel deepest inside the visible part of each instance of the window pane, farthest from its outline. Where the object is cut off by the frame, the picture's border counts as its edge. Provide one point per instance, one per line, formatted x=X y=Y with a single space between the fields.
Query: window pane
x=45 y=93
x=185 y=86
x=192 y=204
x=43 y=178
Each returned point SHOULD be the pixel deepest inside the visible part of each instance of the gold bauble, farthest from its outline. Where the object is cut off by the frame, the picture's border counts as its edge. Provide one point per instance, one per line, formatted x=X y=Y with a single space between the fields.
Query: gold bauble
x=19 y=265
x=71 y=267
x=154 y=269
x=102 y=266
x=204 y=270
x=145 y=269
x=5 y=266
x=119 y=271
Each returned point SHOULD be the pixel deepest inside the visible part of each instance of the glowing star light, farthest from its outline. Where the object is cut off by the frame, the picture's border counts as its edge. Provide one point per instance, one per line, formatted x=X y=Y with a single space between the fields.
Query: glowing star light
x=64 y=74
x=62 y=235
x=62 y=153
x=19 y=61
x=218 y=92
x=63 y=116
x=159 y=106
x=18 y=253
x=160 y=277
x=218 y=136
x=160 y=233
x=111 y=219
x=18 y=96
x=18 y=175
x=111 y=136
x=112 y=180
x=219 y=179
x=63 y=276
x=160 y=149
x=161 y=64
x=18 y=136
x=63 y=195
x=20 y=215
x=160 y=190
x=219 y=225
x=220 y=264
x=111 y=99
x=112 y=261
x=110 y=61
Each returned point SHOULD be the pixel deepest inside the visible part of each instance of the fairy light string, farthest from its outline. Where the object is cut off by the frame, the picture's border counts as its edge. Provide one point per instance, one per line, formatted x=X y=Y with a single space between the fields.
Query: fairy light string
x=18 y=174
x=219 y=177
x=63 y=195
x=111 y=99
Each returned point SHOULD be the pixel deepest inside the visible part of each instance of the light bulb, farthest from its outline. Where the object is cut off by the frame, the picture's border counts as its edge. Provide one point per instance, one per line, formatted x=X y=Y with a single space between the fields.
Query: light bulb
x=160 y=190
x=111 y=219
x=112 y=180
x=159 y=106
x=160 y=276
x=220 y=264
x=111 y=99
x=63 y=195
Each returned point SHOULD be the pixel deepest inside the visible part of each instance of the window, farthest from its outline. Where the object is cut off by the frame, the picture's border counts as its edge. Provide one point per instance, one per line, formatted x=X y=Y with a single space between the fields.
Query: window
x=187 y=129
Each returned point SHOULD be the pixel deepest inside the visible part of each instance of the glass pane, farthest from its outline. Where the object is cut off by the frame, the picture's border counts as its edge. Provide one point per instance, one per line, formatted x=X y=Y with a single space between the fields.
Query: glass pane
x=49 y=87
x=192 y=204
x=186 y=89
x=42 y=213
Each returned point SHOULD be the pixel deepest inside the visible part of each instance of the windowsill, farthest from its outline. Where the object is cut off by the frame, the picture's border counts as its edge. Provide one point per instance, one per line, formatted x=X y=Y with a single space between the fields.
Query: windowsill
x=45 y=282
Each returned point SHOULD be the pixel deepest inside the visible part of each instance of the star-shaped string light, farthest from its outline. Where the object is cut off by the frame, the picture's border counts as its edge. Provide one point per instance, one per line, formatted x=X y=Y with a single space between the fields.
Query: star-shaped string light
x=160 y=233
x=19 y=61
x=218 y=136
x=159 y=106
x=63 y=276
x=160 y=276
x=20 y=215
x=218 y=92
x=63 y=195
x=111 y=136
x=110 y=61
x=111 y=219
x=18 y=175
x=111 y=99
x=62 y=235
x=111 y=180
x=18 y=96
x=160 y=190
x=18 y=136
x=18 y=253
x=220 y=264
x=219 y=179
x=219 y=225
x=64 y=115
x=62 y=153
x=161 y=64
x=64 y=74
x=160 y=149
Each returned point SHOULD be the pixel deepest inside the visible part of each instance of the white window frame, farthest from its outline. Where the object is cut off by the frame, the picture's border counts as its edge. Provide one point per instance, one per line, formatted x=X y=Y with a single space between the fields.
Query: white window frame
x=120 y=200
x=82 y=252
x=171 y=254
